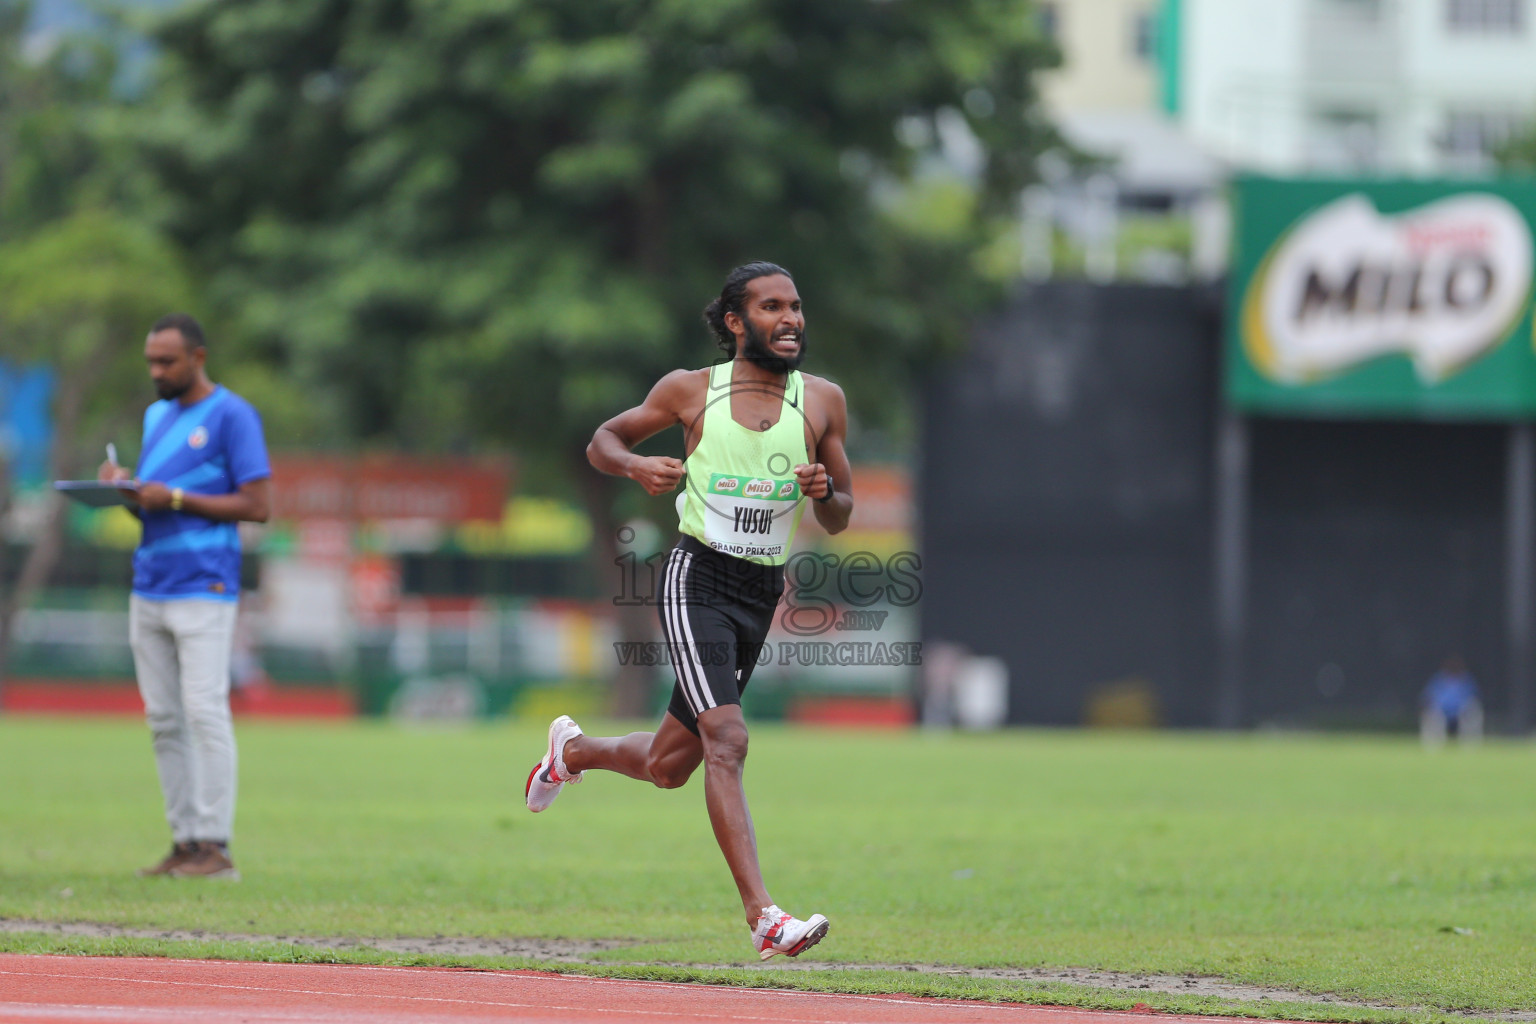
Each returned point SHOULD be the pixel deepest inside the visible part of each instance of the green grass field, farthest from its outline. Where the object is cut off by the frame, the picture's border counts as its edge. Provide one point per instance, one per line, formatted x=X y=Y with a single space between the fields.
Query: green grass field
x=1365 y=867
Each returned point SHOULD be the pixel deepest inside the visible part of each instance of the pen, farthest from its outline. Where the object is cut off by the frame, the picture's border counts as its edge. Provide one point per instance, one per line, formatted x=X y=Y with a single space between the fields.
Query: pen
x=112 y=453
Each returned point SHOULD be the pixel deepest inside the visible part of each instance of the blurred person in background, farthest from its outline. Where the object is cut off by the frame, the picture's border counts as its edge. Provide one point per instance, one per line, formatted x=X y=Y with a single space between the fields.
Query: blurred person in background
x=1449 y=705
x=202 y=468
x=759 y=438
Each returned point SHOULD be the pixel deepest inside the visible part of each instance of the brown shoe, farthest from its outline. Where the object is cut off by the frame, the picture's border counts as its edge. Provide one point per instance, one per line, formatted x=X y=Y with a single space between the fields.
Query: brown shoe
x=179 y=855
x=210 y=861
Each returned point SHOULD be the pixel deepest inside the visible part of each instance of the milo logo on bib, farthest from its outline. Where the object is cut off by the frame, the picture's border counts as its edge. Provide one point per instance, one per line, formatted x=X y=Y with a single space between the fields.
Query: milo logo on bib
x=753 y=487
x=753 y=516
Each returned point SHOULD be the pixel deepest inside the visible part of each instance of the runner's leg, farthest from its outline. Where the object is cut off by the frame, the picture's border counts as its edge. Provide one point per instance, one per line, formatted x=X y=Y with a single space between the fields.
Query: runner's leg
x=666 y=757
x=706 y=622
x=724 y=733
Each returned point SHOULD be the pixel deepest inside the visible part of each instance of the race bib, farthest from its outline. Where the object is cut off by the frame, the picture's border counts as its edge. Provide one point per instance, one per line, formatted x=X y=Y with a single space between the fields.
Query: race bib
x=749 y=517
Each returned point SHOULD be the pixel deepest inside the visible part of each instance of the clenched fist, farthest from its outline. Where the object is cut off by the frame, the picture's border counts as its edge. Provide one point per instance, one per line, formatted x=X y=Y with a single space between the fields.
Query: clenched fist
x=658 y=474
x=813 y=480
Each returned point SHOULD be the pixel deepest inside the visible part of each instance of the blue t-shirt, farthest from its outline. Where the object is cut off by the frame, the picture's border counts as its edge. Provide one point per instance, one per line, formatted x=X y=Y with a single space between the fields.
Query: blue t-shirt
x=1450 y=692
x=210 y=447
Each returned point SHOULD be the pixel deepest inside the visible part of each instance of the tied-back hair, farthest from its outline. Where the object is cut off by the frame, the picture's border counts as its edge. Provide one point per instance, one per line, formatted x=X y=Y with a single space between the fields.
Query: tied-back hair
x=731 y=298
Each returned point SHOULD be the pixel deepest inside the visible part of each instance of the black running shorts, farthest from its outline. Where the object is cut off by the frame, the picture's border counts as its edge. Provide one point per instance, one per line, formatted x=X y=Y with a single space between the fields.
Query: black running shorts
x=715 y=613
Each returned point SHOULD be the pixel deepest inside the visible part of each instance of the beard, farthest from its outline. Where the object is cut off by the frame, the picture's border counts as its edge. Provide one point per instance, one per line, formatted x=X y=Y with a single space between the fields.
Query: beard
x=170 y=389
x=754 y=349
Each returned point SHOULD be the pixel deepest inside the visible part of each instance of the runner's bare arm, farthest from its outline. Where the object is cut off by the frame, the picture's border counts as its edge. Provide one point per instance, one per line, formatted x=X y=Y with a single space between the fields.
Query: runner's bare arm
x=610 y=448
x=831 y=460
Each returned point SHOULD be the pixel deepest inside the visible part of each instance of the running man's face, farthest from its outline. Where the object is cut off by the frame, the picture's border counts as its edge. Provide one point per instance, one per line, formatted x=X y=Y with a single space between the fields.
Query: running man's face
x=173 y=364
x=773 y=324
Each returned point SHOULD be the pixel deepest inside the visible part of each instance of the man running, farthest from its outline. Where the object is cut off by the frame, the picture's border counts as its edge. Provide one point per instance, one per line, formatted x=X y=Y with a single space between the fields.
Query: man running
x=759 y=437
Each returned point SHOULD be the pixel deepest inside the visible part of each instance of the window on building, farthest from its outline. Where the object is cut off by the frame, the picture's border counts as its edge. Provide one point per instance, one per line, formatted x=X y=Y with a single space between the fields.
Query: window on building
x=1050 y=21
x=1470 y=138
x=1485 y=15
x=1144 y=35
x=1360 y=10
x=1344 y=140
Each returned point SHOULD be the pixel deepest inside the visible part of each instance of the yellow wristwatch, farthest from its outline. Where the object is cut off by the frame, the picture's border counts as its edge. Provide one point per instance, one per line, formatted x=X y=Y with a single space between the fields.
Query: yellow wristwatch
x=177 y=495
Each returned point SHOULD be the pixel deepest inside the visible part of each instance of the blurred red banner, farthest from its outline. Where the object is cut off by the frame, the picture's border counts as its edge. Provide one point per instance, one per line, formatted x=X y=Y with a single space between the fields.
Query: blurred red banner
x=446 y=490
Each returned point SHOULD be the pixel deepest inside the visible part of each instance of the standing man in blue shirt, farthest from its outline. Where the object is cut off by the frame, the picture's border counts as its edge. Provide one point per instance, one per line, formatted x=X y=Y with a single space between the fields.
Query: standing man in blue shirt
x=202 y=468
x=1450 y=705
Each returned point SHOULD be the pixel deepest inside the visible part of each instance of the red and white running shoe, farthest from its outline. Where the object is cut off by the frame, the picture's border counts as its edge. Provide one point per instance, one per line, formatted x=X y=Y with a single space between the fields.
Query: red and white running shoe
x=549 y=776
x=778 y=932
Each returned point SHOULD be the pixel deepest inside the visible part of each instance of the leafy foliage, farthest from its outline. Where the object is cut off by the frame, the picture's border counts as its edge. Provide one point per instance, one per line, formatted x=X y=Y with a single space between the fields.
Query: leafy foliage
x=79 y=281
x=80 y=292
x=1518 y=154
x=499 y=219
x=80 y=277
x=53 y=96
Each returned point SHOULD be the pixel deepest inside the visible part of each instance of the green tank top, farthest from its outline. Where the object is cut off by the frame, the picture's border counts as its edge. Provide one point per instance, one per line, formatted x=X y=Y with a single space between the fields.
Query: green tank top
x=739 y=492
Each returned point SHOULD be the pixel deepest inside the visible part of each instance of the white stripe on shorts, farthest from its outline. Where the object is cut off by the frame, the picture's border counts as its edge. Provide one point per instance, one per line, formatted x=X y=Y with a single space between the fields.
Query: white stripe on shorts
x=673 y=615
x=669 y=625
x=693 y=647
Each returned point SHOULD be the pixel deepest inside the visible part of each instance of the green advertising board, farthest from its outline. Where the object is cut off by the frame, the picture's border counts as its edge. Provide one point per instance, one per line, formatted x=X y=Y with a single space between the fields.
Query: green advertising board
x=1382 y=298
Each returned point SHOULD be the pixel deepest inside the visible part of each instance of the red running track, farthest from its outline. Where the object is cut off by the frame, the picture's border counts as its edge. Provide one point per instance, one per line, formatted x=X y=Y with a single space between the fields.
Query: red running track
x=112 y=990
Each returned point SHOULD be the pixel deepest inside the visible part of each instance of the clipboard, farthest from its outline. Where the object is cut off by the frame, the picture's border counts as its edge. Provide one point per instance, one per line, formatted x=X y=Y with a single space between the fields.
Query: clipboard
x=96 y=493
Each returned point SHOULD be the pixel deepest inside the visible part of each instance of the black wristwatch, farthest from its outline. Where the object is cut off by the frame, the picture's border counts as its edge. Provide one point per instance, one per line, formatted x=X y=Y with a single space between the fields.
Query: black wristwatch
x=830 y=491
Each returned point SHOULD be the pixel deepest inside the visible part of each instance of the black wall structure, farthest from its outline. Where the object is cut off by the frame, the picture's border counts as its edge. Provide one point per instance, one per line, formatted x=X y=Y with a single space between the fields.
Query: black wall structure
x=1068 y=485
x=1376 y=550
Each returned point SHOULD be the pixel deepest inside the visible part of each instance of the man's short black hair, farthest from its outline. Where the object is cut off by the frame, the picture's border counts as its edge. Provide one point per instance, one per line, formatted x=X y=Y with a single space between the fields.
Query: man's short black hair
x=731 y=298
x=191 y=330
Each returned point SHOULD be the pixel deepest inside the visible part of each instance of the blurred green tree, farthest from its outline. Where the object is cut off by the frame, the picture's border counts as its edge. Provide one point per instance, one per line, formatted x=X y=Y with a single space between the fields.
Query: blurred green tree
x=50 y=92
x=78 y=282
x=76 y=294
x=459 y=222
x=1518 y=153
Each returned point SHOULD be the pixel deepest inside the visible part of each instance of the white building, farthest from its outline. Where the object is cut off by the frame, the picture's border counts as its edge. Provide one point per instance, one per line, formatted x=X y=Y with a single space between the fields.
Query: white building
x=1105 y=97
x=1109 y=58
x=1418 y=87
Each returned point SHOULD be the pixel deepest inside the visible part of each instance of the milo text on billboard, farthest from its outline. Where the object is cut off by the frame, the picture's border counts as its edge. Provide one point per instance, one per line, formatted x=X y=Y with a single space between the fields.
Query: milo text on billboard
x=1390 y=298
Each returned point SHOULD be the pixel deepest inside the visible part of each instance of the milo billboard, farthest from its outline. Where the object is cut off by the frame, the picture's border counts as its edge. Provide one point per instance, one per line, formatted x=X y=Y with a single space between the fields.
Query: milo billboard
x=1382 y=298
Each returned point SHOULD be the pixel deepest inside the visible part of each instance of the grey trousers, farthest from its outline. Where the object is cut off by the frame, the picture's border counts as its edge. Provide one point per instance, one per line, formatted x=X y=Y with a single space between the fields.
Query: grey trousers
x=181 y=653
